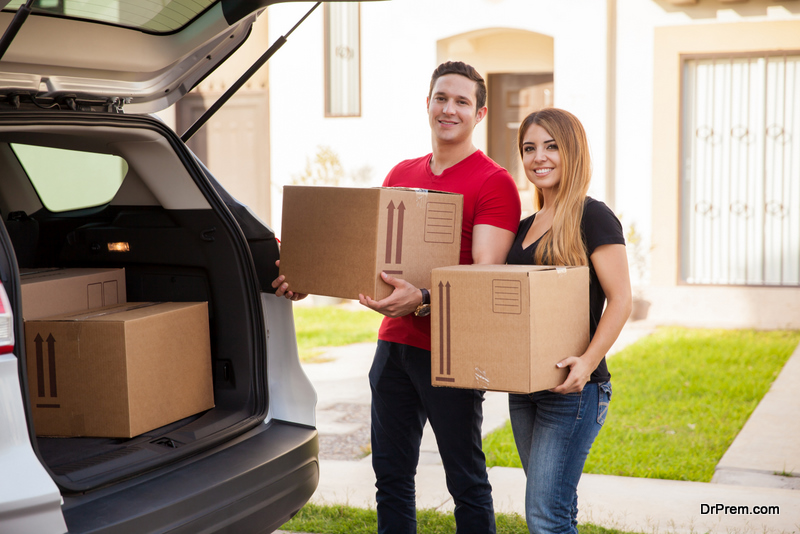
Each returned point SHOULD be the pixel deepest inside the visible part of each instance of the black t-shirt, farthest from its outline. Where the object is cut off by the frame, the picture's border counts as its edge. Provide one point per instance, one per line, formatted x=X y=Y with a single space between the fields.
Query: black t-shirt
x=599 y=226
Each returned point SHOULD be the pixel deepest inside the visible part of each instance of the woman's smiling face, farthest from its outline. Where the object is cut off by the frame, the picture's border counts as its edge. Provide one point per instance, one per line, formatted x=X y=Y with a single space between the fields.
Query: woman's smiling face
x=540 y=158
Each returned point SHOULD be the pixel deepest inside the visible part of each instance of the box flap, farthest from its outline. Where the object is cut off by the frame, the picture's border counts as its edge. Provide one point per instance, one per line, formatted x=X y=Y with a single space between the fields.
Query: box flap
x=128 y=311
x=419 y=190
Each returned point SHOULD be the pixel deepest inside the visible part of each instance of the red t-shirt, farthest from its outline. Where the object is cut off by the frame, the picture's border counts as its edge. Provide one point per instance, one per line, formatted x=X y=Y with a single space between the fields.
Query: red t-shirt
x=490 y=197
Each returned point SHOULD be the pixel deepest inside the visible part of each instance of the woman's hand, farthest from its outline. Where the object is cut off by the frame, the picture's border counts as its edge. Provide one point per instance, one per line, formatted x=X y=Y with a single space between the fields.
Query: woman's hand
x=282 y=288
x=611 y=265
x=580 y=371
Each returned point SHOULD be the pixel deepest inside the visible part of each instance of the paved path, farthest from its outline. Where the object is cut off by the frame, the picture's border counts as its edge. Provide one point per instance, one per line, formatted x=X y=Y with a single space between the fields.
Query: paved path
x=745 y=479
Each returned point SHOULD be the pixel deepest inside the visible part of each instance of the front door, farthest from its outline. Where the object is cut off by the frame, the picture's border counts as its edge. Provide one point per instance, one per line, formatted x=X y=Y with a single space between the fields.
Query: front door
x=511 y=98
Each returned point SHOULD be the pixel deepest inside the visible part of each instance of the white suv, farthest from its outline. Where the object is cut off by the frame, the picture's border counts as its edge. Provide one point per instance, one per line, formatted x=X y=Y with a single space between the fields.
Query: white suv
x=83 y=165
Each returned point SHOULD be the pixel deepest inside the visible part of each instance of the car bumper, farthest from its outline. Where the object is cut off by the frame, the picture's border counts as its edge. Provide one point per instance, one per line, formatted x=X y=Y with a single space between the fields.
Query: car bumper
x=254 y=484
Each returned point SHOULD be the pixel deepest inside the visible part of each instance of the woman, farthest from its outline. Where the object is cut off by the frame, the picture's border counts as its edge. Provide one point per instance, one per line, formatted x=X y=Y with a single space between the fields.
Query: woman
x=555 y=429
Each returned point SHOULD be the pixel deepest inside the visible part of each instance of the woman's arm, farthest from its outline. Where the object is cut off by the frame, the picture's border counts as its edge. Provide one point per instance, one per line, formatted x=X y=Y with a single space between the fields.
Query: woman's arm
x=611 y=265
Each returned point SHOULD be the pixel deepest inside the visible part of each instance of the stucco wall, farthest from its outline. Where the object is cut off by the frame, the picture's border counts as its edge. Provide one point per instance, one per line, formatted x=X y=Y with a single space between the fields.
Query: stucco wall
x=400 y=48
x=673 y=301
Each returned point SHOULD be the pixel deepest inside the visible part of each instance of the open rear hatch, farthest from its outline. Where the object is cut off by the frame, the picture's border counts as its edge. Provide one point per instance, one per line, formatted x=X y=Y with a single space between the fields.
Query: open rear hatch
x=181 y=244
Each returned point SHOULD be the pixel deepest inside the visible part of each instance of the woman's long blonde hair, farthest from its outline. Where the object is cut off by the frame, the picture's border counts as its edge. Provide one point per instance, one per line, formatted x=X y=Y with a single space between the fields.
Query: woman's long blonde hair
x=563 y=244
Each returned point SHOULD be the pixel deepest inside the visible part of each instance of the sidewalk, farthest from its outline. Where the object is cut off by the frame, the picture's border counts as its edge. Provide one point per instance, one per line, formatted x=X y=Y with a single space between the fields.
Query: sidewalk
x=769 y=443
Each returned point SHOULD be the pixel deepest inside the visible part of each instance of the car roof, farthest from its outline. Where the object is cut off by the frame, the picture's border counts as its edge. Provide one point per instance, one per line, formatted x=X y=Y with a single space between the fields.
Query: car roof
x=145 y=55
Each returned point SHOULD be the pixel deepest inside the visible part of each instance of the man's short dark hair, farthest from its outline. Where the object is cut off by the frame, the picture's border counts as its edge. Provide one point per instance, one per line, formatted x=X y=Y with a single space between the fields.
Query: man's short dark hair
x=468 y=71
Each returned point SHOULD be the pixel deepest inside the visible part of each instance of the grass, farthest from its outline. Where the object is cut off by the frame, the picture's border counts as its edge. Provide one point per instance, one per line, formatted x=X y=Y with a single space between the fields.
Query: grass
x=341 y=519
x=330 y=326
x=680 y=397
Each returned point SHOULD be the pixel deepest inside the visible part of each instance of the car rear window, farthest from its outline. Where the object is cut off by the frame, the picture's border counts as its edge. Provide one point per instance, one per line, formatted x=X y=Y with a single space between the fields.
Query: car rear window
x=68 y=180
x=162 y=16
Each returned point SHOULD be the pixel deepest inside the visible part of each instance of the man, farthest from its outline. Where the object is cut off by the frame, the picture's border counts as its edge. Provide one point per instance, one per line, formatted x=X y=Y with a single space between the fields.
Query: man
x=400 y=378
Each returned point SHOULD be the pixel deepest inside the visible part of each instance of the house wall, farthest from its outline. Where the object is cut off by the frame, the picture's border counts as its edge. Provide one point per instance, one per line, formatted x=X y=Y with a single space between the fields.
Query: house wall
x=402 y=42
x=674 y=301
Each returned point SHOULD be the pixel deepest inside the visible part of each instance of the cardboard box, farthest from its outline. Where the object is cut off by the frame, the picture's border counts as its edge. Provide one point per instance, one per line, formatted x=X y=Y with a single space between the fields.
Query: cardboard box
x=47 y=292
x=119 y=371
x=505 y=327
x=337 y=240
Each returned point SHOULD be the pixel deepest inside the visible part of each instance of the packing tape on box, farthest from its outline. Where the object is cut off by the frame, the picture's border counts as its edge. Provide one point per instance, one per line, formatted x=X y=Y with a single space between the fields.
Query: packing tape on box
x=561 y=270
x=481 y=380
x=118 y=309
x=421 y=196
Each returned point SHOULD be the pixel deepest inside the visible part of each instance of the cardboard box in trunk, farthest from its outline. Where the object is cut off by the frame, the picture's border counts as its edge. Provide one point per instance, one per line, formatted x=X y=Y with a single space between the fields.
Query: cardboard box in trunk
x=48 y=292
x=505 y=327
x=119 y=371
x=336 y=240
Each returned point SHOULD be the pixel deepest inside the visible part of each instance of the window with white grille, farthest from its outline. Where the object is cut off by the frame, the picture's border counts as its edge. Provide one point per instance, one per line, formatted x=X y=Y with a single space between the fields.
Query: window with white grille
x=342 y=59
x=740 y=183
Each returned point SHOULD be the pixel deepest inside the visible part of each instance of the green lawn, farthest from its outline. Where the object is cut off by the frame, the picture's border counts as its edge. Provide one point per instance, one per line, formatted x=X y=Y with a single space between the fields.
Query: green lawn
x=340 y=519
x=680 y=397
x=331 y=326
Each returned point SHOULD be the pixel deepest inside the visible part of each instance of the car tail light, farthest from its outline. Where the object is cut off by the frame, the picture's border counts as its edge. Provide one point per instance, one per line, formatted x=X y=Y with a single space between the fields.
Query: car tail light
x=6 y=323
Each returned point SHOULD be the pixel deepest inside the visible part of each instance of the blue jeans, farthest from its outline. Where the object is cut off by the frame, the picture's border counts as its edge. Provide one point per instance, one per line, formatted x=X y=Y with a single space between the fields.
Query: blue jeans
x=402 y=399
x=554 y=433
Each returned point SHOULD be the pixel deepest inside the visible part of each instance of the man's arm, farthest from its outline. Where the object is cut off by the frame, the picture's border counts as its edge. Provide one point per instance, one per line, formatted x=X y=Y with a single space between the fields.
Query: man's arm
x=282 y=288
x=490 y=244
x=404 y=298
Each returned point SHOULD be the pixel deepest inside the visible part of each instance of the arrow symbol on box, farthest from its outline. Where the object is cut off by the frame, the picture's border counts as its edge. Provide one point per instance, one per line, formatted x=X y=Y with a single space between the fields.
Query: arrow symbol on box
x=444 y=331
x=51 y=352
x=401 y=208
x=448 y=328
x=441 y=330
x=389 y=231
x=400 y=213
x=39 y=364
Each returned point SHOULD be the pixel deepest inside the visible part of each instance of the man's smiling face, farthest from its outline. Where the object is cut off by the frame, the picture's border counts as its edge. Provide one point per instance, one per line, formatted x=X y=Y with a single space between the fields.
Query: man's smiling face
x=452 y=109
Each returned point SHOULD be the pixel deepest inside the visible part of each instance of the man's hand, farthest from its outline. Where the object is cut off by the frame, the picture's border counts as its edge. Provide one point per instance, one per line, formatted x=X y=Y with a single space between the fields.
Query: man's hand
x=404 y=298
x=282 y=288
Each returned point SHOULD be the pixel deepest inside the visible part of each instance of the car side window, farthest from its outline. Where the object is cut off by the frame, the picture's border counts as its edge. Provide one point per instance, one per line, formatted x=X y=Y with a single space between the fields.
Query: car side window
x=67 y=180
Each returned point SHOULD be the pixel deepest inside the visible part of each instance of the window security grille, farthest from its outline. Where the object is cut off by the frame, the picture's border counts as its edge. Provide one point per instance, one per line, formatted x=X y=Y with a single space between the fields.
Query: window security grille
x=740 y=183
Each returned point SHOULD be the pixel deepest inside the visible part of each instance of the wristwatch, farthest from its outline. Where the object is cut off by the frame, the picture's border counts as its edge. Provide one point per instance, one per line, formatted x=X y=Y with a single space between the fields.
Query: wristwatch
x=424 y=308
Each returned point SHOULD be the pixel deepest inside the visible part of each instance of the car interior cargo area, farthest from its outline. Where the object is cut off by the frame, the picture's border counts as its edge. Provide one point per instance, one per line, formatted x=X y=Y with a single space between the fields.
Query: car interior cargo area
x=144 y=334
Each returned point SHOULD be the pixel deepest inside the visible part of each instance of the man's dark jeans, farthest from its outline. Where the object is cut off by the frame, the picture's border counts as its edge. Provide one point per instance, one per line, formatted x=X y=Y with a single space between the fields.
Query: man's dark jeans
x=402 y=399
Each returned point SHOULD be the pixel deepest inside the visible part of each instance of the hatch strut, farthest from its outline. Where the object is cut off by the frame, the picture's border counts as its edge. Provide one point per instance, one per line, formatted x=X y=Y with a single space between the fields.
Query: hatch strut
x=16 y=23
x=243 y=79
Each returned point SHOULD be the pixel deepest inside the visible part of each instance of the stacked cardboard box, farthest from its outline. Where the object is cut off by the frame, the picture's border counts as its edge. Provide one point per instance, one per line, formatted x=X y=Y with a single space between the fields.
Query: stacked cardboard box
x=55 y=291
x=110 y=371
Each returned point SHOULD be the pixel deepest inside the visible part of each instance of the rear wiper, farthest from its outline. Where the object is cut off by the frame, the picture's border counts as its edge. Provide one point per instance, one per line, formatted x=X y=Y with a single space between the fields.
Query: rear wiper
x=242 y=80
x=16 y=23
